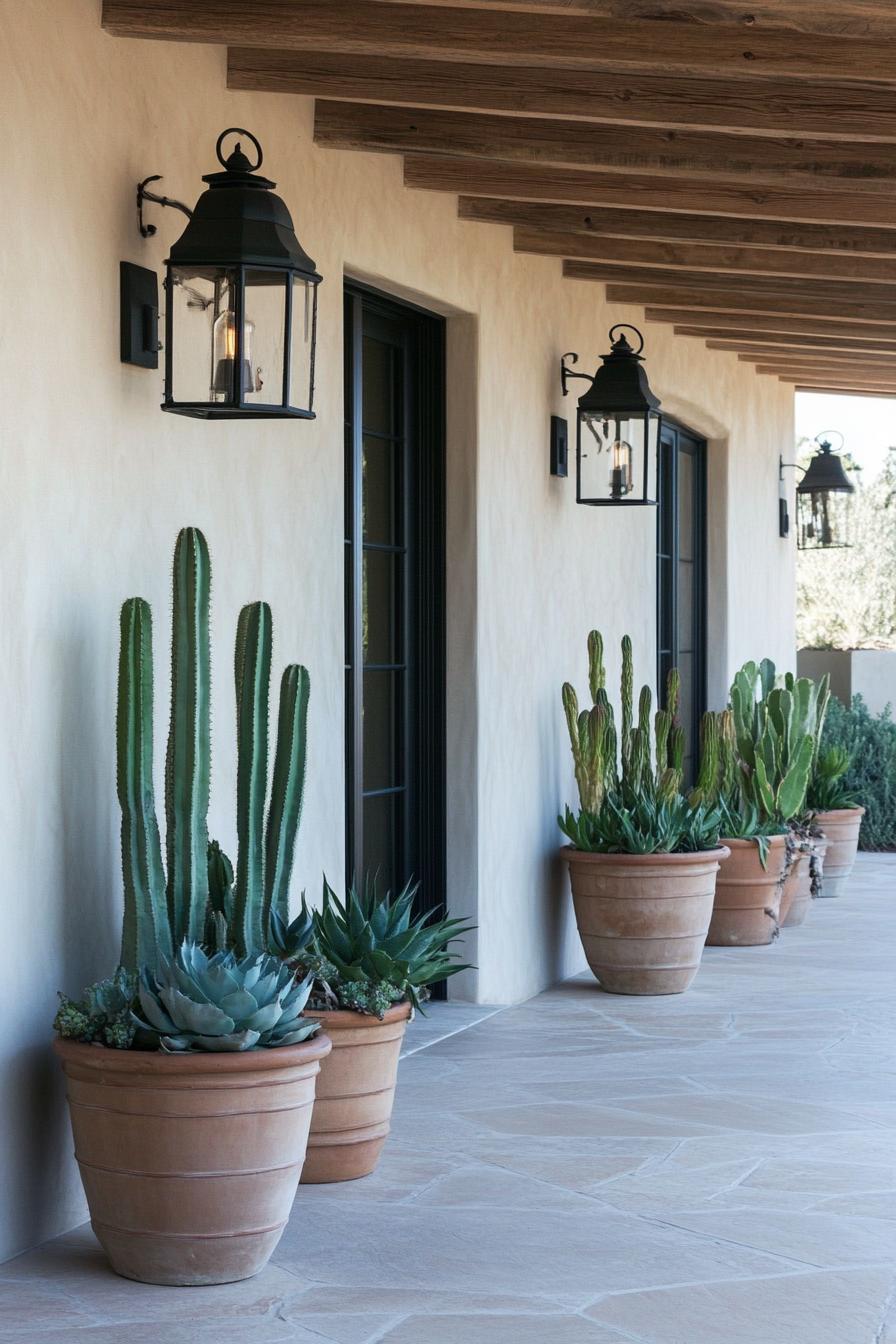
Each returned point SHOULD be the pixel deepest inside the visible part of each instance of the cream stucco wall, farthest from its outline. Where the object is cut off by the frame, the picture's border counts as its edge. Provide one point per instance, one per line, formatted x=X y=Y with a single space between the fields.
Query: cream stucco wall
x=96 y=481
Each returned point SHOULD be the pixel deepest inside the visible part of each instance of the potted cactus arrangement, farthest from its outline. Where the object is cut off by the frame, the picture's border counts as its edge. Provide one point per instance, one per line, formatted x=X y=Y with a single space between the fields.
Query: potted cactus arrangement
x=756 y=760
x=191 y=1071
x=370 y=962
x=642 y=858
x=837 y=811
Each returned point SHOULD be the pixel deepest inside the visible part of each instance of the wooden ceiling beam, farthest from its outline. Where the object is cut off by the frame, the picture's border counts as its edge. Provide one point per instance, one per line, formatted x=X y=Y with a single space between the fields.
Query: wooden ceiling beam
x=841 y=292
x=856 y=18
x=643 y=295
x=830 y=378
x=825 y=388
x=714 y=259
x=607 y=222
x=882 y=368
x=507 y=37
x=527 y=182
x=757 y=107
x=804 y=345
x=747 y=324
x=741 y=159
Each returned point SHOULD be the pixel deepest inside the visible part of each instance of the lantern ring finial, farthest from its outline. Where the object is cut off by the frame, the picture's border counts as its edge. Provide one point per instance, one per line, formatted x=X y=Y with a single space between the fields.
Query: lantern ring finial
x=627 y=326
x=823 y=438
x=238 y=130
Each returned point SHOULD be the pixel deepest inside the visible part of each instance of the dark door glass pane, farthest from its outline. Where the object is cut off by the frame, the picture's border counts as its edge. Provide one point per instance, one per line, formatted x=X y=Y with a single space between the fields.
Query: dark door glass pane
x=377 y=375
x=382 y=696
x=381 y=625
x=381 y=484
x=382 y=855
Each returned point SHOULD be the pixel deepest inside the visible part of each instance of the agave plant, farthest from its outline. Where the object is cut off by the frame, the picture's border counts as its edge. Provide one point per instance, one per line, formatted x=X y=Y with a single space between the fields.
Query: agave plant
x=828 y=789
x=643 y=825
x=193 y=1001
x=369 y=952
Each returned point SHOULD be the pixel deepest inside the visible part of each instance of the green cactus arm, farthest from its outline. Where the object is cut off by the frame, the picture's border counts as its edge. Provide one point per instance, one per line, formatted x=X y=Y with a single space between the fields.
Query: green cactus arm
x=765 y=794
x=287 y=788
x=645 y=709
x=707 y=784
x=252 y=675
x=597 y=677
x=188 y=759
x=627 y=694
x=571 y=713
x=673 y=691
x=662 y=727
x=767 y=677
x=791 y=796
x=145 y=930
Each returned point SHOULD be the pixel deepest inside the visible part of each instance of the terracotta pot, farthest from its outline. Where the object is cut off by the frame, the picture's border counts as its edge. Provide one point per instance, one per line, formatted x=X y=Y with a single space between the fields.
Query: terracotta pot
x=355 y=1093
x=643 y=918
x=748 y=896
x=841 y=829
x=796 y=896
x=190 y=1162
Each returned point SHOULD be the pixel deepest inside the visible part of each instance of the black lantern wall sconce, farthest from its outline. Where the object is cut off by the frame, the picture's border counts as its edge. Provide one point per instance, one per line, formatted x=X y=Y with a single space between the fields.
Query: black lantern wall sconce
x=617 y=426
x=240 y=300
x=823 y=498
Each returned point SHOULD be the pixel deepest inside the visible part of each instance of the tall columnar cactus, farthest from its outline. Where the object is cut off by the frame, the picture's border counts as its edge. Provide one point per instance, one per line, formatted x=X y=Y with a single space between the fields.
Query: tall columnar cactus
x=187 y=765
x=146 y=931
x=604 y=763
x=202 y=899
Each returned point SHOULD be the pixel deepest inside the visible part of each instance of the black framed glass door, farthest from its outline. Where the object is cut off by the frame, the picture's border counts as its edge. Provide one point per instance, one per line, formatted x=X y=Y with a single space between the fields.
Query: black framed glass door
x=394 y=594
x=681 y=577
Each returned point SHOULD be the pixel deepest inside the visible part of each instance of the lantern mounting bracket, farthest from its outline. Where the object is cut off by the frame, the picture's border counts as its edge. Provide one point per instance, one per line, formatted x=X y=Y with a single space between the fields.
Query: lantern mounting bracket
x=147 y=230
x=566 y=372
x=795 y=466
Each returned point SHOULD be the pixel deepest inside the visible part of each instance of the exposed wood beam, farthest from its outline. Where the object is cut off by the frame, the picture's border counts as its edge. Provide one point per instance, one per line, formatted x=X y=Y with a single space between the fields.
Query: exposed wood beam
x=829 y=111
x=830 y=378
x=636 y=149
x=742 y=324
x=872 y=312
x=603 y=222
x=527 y=182
x=842 y=292
x=506 y=37
x=858 y=18
x=805 y=345
x=712 y=258
x=825 y=388
x=882 y=368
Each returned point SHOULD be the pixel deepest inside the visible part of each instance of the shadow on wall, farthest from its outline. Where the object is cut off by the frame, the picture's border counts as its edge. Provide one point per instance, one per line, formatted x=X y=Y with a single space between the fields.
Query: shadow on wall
x=44 y=1187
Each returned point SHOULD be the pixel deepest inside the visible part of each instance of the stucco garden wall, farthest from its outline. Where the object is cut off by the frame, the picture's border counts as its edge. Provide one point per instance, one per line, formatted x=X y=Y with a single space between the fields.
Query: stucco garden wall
x=95 y=482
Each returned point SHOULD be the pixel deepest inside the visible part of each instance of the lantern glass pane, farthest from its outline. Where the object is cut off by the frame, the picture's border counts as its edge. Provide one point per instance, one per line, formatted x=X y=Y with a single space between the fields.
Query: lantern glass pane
x=823 y=518
x=200 y=299
x=304 y=301
x=612 y=456
x=264 y=337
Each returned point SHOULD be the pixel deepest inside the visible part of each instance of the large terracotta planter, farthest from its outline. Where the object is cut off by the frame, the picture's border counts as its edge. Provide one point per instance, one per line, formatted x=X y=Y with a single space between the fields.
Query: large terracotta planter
x=190 y=1162
x=643 y=918
x=355 y=1092
x=841 y=829
x=796 y=895
x=748 y=896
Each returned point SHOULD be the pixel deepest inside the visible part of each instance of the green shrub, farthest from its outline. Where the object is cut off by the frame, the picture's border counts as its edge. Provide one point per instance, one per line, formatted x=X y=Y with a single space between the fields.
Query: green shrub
x=871 y=743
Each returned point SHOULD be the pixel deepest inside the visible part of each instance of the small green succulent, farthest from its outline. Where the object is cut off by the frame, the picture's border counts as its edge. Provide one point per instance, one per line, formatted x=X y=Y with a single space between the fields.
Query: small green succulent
x=369 y=952
x=828 y=789
x=628 y=823
x=194 y=1001
x=742 y=820
x=103 y=1014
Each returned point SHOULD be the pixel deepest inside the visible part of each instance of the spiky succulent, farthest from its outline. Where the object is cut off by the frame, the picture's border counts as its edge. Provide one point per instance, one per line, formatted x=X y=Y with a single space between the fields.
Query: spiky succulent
x=193 y=1001
x=369 y=952
x=742 y=820
x=828 y=789
x=103 y=1014
x=639 y=824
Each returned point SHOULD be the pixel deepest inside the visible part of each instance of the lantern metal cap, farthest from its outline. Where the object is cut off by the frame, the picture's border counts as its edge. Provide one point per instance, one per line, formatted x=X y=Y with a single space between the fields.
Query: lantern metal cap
x=825 y=472
x=239 y=221
x=620 y=384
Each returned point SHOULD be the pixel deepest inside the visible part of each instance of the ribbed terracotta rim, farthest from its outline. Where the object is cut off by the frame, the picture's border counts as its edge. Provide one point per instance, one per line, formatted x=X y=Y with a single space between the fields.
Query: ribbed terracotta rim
x=775 y=841
x=571 y=854
x=840 y=812
x=347 y=1017
x=225 y=1061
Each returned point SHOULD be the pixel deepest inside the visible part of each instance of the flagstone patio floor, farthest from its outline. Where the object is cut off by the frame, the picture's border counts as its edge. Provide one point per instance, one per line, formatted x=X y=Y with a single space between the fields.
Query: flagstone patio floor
x=713 y=1168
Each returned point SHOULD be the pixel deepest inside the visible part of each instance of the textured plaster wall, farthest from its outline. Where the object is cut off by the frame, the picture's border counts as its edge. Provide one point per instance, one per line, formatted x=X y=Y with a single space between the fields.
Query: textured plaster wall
x=96 y=481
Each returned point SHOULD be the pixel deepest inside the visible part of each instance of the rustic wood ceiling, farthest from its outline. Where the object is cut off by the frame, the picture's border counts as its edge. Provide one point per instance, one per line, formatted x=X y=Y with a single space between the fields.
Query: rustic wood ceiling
x=730 y=167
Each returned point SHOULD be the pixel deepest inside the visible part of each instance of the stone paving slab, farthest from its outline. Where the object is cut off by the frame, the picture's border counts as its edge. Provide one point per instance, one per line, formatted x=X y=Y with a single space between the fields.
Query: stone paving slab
x=717 y=1167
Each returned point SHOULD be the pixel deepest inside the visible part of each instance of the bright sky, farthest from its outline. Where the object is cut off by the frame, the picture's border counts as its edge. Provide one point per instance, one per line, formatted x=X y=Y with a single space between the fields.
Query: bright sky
x=868 y=425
